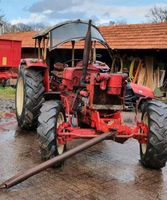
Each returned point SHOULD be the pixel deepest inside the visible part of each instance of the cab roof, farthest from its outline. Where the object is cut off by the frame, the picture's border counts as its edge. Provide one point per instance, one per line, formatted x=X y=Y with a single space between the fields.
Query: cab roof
x=69 y=31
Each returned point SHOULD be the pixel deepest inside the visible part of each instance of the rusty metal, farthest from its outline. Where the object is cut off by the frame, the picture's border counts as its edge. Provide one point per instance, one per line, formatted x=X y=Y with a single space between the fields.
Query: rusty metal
x=73 y=53
x=86 y=54
x=35 y=170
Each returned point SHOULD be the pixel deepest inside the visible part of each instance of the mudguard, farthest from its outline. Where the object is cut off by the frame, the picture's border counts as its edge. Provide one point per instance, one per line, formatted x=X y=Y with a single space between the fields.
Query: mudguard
x=31 y=62
x=142 y=91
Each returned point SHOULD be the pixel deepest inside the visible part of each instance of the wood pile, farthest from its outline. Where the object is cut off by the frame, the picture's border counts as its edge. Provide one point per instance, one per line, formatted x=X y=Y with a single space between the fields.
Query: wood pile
x=150 y=77
x=145 y=74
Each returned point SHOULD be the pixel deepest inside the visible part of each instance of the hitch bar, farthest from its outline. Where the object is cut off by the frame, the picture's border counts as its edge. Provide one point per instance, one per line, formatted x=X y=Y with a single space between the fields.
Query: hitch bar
x=35 y=170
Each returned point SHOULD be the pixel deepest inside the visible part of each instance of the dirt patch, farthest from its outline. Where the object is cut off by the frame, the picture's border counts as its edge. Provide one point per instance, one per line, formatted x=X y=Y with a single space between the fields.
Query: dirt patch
x=7 y=114
x=7 y=105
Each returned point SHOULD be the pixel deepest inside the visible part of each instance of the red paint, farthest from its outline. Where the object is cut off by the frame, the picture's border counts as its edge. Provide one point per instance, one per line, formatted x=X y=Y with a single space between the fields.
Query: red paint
x=97 y=66
x=71 y=77
x=46 y=80
x=10 y=53
x=115 y=84
x=6 y=74
x=67 y=133
x=4 y=126
x=98 y=122
x=31 y=62
x=8 y=115
x=38 y=64
x=84 y=93
x=142 y=90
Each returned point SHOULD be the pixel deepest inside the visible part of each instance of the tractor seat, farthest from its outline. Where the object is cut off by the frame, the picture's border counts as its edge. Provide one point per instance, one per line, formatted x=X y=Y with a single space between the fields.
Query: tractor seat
x=58 y=69
x=60 y=66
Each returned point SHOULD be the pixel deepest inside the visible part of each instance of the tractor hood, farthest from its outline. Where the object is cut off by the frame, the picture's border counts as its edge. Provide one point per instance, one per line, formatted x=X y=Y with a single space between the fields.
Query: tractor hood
x=70 y=31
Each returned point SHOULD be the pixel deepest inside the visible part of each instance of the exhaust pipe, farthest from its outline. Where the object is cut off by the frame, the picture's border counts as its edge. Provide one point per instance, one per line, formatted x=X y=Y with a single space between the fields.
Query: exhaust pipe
x=86 y=53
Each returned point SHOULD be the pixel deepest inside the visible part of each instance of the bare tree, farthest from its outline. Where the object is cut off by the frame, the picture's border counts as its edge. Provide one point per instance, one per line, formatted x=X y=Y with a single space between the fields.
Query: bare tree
x=2 y=24
x=157 y=14
x=1 y=16
x=37 y=26
x=118 y=22
x=6 y=27
x=20 y=27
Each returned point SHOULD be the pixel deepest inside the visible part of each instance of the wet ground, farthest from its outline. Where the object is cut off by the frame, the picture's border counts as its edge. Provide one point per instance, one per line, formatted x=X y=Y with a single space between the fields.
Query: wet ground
x=107 y=171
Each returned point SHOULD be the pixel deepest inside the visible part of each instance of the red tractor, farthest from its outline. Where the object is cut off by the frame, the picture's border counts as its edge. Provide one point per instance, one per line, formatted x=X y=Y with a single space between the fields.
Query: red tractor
x=83 y=97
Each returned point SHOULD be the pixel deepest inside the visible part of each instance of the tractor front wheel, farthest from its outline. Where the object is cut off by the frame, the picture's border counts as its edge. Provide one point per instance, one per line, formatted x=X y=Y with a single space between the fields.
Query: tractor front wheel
x=153 y=154
x=52 y=115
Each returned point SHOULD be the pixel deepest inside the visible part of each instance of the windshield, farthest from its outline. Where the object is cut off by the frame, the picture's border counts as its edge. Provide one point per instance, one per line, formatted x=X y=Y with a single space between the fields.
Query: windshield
x=73 y=31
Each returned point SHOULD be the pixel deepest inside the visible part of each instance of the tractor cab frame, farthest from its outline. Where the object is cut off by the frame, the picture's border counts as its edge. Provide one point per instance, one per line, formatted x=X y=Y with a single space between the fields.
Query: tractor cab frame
x=68 y=32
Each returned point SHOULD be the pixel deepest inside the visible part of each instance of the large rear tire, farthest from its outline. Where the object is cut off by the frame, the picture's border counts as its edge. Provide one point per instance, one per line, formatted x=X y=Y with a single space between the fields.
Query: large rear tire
x=154 y=153
x=29 y=97
x=52 y=115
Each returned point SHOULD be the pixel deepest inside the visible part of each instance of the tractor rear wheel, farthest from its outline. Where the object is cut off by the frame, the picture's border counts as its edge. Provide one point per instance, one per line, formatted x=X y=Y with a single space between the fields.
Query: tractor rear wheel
x=52 y=115
x=154 y=153
x=29 y=97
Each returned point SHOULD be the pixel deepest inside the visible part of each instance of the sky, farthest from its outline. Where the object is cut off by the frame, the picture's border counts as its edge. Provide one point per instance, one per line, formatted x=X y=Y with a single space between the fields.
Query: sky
x=50 y=12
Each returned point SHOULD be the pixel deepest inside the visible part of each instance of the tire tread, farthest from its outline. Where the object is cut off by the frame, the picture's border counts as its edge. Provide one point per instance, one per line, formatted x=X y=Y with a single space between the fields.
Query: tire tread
x=156 y=154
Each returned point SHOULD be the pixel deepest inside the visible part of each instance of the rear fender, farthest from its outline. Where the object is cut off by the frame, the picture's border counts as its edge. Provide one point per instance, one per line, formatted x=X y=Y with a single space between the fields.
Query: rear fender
x=36 y=64
x=33 y=63
x=142 y=91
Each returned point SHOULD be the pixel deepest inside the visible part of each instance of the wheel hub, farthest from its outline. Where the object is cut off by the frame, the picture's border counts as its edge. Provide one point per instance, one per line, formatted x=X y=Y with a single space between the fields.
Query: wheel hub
x=144 y=145
x=20 y=96
x=60 y=120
